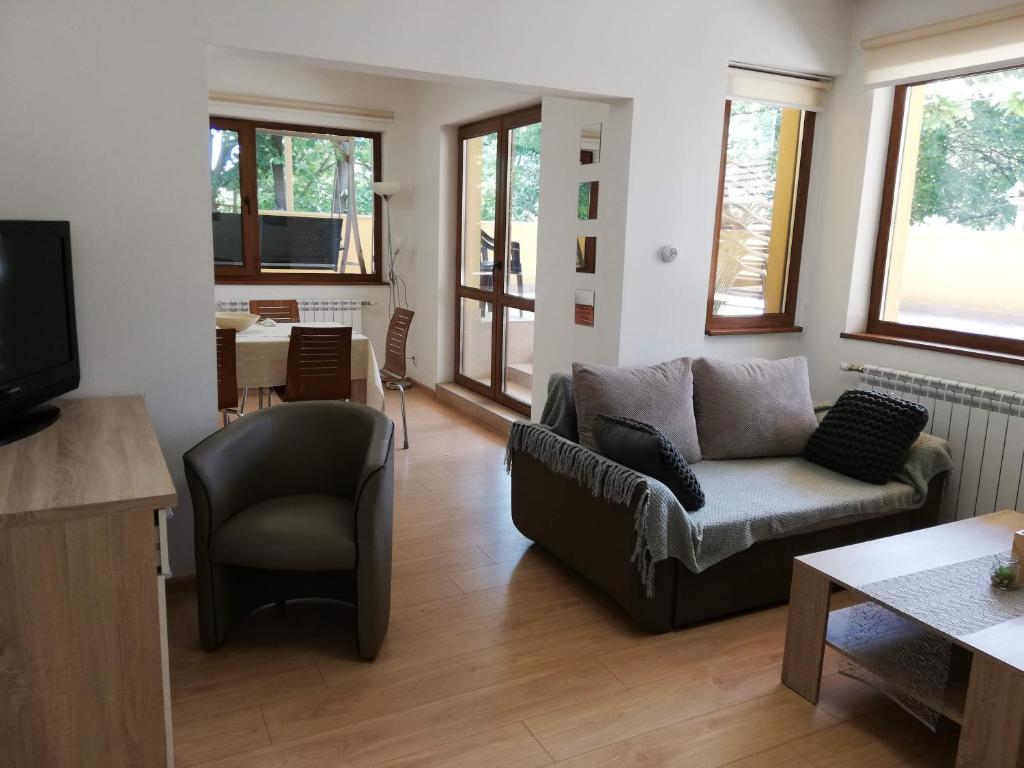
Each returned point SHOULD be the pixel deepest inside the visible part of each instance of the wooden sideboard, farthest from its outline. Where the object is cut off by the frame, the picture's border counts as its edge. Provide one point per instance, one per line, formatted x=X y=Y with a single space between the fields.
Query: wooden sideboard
x=83 y=666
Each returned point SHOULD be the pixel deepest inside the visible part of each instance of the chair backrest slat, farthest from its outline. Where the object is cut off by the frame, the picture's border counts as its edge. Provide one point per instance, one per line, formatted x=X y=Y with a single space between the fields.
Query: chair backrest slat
x=319 y=364
x=280 y=310
x=227 y=378
x=398 y=337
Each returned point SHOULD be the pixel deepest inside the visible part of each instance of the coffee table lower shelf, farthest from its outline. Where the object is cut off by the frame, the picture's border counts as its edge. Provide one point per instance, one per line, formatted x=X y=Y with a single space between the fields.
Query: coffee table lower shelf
x=892 y=654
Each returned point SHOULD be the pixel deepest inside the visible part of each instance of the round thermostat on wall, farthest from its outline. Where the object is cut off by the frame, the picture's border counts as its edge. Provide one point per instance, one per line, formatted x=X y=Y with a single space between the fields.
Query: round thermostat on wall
x=668 y=253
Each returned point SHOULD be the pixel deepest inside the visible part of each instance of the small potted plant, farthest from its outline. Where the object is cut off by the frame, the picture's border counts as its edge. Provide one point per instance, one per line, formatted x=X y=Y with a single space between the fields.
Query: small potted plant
x=1004 y=571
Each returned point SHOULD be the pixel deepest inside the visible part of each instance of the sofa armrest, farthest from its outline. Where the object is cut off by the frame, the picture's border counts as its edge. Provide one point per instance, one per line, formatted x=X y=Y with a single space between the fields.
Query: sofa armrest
x=591 y=535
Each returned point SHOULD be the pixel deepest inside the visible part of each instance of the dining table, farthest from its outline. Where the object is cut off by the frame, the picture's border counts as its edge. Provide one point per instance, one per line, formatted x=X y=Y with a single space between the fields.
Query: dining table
x=261 y=360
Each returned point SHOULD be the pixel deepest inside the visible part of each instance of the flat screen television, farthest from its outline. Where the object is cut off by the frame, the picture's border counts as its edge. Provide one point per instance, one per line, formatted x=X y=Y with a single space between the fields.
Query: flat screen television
x=38 y=340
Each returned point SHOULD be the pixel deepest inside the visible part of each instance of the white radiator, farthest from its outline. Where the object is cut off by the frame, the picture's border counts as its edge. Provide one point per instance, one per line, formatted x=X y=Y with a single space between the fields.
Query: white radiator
x=344 y=311
x=985 y=426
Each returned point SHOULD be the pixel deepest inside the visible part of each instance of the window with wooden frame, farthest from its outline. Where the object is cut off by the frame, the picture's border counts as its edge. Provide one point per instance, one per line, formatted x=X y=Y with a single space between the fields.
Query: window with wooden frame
x=294 y=203
x=759 y=221
x=949 y=256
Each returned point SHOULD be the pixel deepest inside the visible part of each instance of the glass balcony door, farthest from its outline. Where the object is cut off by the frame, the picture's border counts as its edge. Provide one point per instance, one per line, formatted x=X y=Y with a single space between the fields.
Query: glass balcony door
x=496 y=256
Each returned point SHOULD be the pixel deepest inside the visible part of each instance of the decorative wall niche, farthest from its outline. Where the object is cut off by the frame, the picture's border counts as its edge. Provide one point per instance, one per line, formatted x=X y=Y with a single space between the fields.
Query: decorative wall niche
x=586 y=254
x=586 y=206
x=585 y=308
x=590 y=144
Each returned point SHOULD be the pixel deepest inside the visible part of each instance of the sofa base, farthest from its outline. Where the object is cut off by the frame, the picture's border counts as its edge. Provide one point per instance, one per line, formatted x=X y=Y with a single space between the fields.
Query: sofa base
x=596 y=540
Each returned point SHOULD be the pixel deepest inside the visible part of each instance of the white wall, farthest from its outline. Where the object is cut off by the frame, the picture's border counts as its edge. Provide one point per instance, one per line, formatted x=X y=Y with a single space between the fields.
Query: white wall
x=558 y=340
x=673 y=69
x=834 y=286
x=104 y=123
x=104 y=120
x=104 y=110
x=670 y=59
x=677 y=135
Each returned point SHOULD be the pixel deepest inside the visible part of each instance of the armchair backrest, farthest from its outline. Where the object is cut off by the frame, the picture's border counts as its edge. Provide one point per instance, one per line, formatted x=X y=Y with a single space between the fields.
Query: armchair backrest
x=295 y=448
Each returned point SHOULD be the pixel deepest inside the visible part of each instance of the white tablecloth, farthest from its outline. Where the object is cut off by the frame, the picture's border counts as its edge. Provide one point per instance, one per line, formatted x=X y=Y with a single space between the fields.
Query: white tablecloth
x=261 y=357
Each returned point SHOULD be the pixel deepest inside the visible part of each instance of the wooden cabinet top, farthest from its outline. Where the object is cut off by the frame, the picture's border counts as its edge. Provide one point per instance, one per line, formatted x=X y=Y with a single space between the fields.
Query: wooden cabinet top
x=101 y=456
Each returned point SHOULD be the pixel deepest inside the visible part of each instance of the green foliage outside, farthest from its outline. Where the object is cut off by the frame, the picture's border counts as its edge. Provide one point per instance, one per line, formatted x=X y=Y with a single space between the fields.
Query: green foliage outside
x=524 y=192
x=488 y=175
x=524 y=187
x=313 y=167
x=971 y=154
x=753 y=147
x=313 y=170
x=224 y=184
x=972 y=150
x=583 y=204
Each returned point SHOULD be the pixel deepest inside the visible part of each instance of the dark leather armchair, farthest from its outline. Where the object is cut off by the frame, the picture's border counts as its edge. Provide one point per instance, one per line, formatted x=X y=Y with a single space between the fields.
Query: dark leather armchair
x=294 y=502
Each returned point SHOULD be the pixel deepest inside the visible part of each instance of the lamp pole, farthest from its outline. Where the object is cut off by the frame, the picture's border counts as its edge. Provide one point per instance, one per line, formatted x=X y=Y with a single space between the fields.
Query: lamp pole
x=387 y=190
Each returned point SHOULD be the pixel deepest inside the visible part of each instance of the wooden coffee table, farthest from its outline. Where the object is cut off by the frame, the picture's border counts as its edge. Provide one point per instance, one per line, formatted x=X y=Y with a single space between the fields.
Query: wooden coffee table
x=990 y=704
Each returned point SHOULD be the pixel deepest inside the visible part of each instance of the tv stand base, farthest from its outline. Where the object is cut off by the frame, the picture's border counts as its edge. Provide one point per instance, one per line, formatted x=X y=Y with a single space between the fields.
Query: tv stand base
x=28 y=423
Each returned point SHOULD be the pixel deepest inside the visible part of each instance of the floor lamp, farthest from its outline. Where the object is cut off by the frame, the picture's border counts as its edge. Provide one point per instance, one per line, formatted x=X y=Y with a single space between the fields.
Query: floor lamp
x=395 y=379
x=386 y=190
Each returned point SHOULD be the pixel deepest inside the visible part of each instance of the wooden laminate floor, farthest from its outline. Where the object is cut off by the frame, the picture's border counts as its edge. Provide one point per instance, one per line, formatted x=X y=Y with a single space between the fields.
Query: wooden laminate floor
x=499 y=657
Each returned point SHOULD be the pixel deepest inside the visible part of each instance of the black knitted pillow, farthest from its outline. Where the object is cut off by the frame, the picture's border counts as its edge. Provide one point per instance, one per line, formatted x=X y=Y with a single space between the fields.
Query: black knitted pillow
x=641 y=447
x=866 y=435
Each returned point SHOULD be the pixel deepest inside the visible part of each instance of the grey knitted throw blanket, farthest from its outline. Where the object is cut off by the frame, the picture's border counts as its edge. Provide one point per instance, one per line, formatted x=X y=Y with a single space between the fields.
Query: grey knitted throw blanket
x=607 y=479
x=748 y=500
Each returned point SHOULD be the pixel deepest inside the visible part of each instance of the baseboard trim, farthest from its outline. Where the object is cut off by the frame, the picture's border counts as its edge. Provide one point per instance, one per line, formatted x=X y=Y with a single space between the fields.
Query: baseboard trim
x=485 y=412
x=421 y=385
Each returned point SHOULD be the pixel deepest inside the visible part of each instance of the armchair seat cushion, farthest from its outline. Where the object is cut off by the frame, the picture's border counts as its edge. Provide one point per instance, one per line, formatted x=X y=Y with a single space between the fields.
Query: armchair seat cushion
x=308 y=532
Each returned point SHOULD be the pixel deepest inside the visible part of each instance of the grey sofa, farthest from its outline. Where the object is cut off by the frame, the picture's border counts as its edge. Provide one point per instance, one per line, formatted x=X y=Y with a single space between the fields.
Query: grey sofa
x=735 y=553
x=596 y=538
x=295 y=501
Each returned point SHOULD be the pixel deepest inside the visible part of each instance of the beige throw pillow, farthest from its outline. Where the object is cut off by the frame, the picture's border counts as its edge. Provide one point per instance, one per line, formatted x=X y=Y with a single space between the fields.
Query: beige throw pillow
x=659 y=395
x=750 y=408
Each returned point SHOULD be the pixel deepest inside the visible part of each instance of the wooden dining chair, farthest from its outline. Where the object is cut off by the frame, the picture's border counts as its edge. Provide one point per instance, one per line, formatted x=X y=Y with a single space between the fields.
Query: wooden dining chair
x=227 y=378
x=279 y=310
x=319 y=365
x=393 y=373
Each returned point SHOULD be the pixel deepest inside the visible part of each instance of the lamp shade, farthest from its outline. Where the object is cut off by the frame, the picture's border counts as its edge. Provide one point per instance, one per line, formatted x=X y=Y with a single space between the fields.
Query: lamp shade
x=386 y=188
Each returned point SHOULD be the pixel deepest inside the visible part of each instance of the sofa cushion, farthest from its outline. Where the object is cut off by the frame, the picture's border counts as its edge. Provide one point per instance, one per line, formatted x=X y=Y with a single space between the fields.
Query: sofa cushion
x=309 y=532
x=866 y=435
x=641 y=447
x=752 y=408
x=660 y=395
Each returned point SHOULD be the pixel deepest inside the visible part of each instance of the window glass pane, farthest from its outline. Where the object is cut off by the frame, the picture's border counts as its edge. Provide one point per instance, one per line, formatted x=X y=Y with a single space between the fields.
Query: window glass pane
x=315 y=202
x=523 y=210
x=956 y=247
x=225 y=198
x=479 y=197
x=517 y=370
x=475 y=347
x=759 y=191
